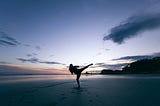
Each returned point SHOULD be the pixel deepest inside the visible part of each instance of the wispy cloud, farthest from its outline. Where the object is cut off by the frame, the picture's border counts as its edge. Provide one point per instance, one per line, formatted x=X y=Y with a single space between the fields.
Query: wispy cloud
x=51 y=62
x=4 y=62
x=110 y=66
x=6 y=40
x=156 y=54
x=27 y=45
x=51 y=55
x=138 y=57
x=30 y=60
x=38 y=48
x=98 y=54
x=31 y=54
x=36 y=60
x=107 y=49
x=133 y=26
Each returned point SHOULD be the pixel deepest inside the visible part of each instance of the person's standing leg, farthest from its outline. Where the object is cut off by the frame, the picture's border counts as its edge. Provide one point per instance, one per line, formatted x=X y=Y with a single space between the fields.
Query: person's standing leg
x=78 y=76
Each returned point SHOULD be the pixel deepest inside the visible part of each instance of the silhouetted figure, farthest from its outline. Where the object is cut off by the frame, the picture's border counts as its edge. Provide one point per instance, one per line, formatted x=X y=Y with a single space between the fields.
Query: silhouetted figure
x=77 y=71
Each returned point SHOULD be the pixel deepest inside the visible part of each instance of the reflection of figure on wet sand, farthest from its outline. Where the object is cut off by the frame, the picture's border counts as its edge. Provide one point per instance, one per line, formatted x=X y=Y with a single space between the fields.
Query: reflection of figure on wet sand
x=77 y=71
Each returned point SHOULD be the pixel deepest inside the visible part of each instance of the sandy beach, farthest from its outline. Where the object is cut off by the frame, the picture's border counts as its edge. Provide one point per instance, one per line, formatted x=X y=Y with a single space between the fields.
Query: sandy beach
x=99 y=90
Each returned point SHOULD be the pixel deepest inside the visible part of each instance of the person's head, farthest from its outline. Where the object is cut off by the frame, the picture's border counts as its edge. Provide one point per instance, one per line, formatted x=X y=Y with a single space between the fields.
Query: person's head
x=71 y=65
x=71 y=68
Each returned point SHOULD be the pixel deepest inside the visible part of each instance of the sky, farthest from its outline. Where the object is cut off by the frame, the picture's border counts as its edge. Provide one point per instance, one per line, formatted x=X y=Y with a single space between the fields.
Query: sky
x=45 y=36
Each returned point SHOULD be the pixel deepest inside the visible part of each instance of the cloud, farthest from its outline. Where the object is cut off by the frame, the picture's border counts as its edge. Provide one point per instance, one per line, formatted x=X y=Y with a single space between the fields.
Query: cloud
x=6 y=43
x=107 y=49
x=11 y=39
x=51 y=62
x=36 y=60
x=31 y=54
x=38 y=48
x=3 y=62
x=6 y=40
x=121 y=65
x=26 y=45
x=156 y=54
x=111 y=66
x=138 y=57
x=30 y=60
x=98 y=54
x=51 y=55
x=133 y=26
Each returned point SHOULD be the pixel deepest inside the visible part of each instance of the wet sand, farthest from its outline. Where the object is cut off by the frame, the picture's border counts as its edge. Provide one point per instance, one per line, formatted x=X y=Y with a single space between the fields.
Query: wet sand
x=94 y=91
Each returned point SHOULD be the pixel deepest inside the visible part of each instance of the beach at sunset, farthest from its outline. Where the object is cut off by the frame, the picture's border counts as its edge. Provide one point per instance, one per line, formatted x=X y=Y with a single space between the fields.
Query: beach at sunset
x=79 y=52
x=96 y=90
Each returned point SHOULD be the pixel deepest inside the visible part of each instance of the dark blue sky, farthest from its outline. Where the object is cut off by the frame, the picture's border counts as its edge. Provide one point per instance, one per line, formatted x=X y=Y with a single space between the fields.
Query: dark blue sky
x=55 y=33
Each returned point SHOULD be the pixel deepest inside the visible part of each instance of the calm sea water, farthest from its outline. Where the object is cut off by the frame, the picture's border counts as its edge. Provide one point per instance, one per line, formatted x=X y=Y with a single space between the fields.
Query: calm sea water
x=21 y=78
